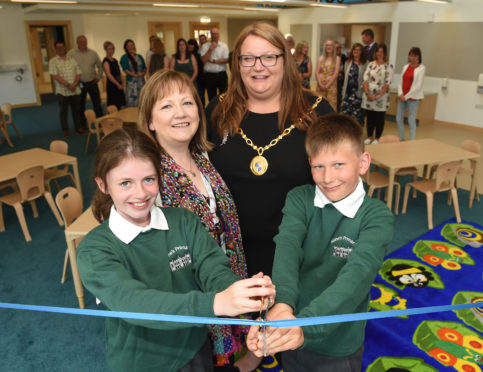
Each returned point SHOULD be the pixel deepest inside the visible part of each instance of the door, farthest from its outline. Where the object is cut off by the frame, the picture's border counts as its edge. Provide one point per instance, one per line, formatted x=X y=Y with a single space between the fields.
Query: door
x=41 y=37
x=168 y=32
x=198 y=28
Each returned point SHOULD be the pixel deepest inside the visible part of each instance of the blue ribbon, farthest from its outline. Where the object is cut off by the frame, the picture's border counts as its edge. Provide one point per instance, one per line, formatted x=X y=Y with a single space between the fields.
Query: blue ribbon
x=299 y=322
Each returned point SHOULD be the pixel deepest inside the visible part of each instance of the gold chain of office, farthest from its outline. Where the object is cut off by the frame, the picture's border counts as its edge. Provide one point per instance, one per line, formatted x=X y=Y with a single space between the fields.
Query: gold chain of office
x=259 y=163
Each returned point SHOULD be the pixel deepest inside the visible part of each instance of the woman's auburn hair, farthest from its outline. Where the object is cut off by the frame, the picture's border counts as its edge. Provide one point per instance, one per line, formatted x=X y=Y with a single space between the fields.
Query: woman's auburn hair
x=232 y=107
x=160 y=85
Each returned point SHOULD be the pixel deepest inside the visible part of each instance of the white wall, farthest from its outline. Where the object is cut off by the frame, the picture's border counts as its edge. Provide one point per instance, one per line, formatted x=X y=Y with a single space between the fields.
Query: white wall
x=459 y=103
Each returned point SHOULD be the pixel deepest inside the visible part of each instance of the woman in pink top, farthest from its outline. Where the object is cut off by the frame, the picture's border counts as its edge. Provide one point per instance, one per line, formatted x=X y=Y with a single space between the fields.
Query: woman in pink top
x=410 y=91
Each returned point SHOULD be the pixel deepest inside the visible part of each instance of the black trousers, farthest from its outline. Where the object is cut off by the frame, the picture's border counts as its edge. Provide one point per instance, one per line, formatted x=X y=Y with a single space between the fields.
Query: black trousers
x=375 y=119
x=303 y=360
x=74 y=103
x=92 y=88
x=214 y=81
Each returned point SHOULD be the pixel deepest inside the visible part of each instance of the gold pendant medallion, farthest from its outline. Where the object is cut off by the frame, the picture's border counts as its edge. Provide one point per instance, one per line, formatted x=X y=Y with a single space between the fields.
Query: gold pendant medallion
x=258 y=165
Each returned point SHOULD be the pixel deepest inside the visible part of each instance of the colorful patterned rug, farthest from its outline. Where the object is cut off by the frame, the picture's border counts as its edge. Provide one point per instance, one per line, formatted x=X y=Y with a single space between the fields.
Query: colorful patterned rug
x=444 y=266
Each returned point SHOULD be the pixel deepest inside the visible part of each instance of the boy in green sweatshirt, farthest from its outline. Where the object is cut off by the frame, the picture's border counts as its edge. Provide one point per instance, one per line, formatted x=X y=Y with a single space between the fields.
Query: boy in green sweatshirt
x=330 y=245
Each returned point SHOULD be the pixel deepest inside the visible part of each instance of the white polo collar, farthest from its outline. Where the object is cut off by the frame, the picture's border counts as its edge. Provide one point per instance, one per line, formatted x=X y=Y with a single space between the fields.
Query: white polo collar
x=127 y=231
x=347 y=206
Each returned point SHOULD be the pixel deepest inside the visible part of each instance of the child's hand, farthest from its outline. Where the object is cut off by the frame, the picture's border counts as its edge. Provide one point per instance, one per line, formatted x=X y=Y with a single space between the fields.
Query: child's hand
x=244 y=296
x=282 y=339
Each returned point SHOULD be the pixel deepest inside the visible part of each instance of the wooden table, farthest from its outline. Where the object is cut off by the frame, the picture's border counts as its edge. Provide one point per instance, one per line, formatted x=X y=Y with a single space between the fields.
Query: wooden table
x=128 y=115
x=79 y=228
x=12 y=164
x=396 y=155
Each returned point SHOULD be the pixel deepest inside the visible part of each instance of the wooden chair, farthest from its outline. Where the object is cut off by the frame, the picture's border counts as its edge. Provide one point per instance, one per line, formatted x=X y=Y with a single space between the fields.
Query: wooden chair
x=60 y=147
x=444 y=181
x=31 y=186
x=111 y=109
x=6 y=119
x=93 y=127
x=109 y=125
x=473 y=146
x=377 y=180
x=69 y=201
x=388 y=138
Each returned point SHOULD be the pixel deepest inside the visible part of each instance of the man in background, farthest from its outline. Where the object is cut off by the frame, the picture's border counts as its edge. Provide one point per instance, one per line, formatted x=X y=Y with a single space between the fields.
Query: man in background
x=369 y=44
x=290 y=43
x=214 y=56
x=91 y=73
x=66 y=74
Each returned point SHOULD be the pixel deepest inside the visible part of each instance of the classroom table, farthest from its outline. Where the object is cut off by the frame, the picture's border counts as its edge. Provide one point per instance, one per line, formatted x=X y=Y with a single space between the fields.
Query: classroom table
x=128 y=115
x=423 y=152
x=79 y=228
x=12 y=164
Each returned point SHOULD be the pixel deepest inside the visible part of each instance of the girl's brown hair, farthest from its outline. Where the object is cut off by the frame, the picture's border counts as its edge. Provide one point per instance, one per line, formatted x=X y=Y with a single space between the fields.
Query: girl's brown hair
x=158 y=47
x=232 y=108
x=113 y=149
x=160 y=85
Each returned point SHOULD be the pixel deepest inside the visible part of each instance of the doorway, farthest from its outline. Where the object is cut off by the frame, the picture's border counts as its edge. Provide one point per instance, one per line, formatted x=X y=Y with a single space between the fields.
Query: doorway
x=168 y=32
x=199 y=28
x=41 y=37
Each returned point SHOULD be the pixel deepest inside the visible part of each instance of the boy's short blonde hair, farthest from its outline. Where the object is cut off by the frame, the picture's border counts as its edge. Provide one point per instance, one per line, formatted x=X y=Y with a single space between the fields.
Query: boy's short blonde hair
x=331 y=130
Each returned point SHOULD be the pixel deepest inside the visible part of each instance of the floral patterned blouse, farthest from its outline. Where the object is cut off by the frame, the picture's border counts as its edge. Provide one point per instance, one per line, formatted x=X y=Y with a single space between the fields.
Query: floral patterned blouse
x=179 y=191
x=377 y=76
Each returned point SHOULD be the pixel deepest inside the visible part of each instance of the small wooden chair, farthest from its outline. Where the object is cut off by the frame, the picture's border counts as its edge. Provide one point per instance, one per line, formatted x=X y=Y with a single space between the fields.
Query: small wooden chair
x=6 y=118
x=473 y=146
x=69 y=201
x=377 y=180
x=31 y=186
x=109 y=125
x=92 y=126
x=445 y=181
x=111 y=109
x=50 y=174
x=388 y=138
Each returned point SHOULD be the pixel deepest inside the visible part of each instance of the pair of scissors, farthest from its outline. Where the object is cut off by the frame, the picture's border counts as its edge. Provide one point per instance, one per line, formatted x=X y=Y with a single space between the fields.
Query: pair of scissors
x=263 y=328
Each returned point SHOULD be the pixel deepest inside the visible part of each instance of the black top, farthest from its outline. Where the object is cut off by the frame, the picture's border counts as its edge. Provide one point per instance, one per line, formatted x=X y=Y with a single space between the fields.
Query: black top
x=115 y=96
x=260 y=199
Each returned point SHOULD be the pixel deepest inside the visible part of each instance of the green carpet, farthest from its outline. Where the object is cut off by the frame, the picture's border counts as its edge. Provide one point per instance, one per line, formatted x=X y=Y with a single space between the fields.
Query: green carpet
x=30 y=272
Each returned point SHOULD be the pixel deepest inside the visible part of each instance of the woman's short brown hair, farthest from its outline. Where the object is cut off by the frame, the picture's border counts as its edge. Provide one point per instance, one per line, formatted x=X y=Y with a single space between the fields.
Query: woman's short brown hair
x=160 y=85
x=107 y=44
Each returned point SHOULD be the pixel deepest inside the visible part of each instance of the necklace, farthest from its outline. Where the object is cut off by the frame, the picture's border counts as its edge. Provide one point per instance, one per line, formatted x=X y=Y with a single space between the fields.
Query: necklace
x=259 y=163
x=193 y=174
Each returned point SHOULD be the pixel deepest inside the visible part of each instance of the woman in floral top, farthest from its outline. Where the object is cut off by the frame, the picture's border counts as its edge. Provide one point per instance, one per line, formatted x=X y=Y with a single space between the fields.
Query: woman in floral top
x=170 y=110
x=375 y=100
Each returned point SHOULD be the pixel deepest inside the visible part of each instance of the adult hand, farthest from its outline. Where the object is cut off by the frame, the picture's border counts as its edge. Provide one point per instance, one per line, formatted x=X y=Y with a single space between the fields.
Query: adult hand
x=401 y=98
x=282 y=339
x=71 y=87
x=244 y=296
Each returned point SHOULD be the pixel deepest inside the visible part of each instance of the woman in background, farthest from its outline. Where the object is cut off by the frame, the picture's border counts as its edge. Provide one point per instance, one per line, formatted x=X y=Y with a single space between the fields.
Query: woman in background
x=184 y=61
x=135 y=69
x=375 y=100
x=355 y=67
x=304 y=63
x=193 y=48
x=326 y=73
x=115 y=82
x=410 y=92
x=158 y=60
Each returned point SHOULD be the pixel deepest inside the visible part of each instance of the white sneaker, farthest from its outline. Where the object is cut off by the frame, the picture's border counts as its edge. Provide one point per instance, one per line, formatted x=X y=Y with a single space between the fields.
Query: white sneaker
x=375 y=142
x=367 y=141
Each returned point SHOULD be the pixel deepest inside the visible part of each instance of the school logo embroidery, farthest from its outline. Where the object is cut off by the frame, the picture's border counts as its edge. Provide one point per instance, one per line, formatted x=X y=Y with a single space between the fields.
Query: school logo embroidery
x=180 y=261
x=339 y=248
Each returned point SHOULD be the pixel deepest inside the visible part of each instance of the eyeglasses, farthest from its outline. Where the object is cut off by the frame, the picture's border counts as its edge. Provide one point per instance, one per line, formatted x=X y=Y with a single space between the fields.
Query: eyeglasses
x=267 y=60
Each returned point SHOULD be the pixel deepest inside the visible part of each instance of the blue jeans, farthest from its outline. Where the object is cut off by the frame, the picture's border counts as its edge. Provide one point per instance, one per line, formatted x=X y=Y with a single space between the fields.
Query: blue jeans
x=412 y=107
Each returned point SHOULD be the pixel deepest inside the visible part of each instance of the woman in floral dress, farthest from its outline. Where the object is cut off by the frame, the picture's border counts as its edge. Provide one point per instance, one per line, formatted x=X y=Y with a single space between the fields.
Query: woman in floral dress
x=327 y=71
x=375 y=100
x=352 y=86
x=135 y=69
